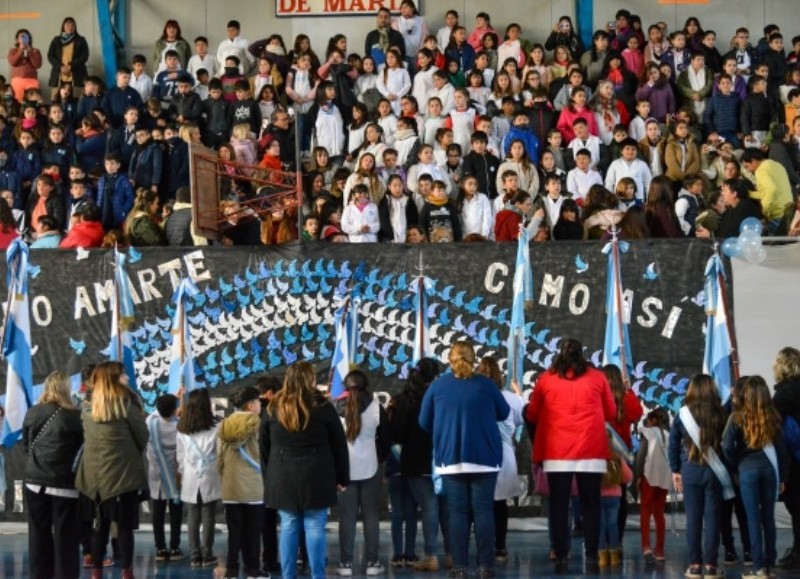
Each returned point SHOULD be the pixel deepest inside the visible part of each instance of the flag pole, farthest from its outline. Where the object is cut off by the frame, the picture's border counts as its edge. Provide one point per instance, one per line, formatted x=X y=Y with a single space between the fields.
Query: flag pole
x=618 y=300
x=723 y=296
x=117 y=309
x=421 y=316
x=342 y=320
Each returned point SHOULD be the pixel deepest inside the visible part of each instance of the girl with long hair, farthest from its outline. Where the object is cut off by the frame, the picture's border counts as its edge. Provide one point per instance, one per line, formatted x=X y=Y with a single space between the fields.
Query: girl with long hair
x=660 y=209
x=52 y=436
x=608 y=111
x=571 y=442
x=753 y=443
x=653 y=480
x=365 y=174
x=537 y=61
x=474 y=208
x=111 y=471
x=197 y=465
x=393 y=80
x=368 y=441
x=518 y=161
x=141 y=227
x=695 y=441
x=304 y=454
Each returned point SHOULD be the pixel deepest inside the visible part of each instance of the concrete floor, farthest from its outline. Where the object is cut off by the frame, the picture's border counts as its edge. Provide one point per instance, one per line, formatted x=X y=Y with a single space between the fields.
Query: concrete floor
x=528 y=557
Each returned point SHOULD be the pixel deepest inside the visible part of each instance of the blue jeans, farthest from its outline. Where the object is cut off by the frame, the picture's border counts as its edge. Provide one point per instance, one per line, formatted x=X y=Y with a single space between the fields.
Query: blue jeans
x=471 y=493
x=422 y=490
x=404 y=516
x=313 y=522
x=702 y=499
x=758 y=484
x=609 y=524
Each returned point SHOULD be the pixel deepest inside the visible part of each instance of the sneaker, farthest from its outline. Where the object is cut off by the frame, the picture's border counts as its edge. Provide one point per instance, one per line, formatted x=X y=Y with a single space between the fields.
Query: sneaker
x=162 y=555
x=694 y=572
x=410 y=560
x=344 y=570
x=175 y=555
x=428 y=563
x=649 y=558
x=108 y=562
x=210 y=561
x=731 y=559
x=87 y=561
x=660 y=557
x=712 y=572
x=196 y=562
x=261 y=575
x=748 y=559
x=397 y=561
x=375 y=568
x=751 y=574
x=500 y=555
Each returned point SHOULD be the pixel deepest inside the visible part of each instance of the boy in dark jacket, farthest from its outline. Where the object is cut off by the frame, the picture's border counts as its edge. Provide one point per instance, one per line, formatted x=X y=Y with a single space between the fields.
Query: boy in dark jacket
x=481 y=164
x=120 y=97
x=186 y=105
x=216 y=126
x=146 y=162
x=757 y=111
x=722 y=112
x=439 y=218
x=244 y=109
x=114 y=194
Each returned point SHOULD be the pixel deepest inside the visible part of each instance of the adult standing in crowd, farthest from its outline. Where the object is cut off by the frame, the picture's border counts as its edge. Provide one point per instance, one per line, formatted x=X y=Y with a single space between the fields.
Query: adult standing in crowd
x=462 y=410
x=171 y=39
x=52 y=436
x=570 y=405
x=68 y=55
x=111 y=471
x=787 y=402
x=304 y=452
x=25 y=62
x=773 y=188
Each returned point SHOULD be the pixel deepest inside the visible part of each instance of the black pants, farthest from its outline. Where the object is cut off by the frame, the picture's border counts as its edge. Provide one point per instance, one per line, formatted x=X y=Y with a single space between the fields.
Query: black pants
x=123 y=510
x=159 y=507
x=269 y=555
x=791 y=497
x=730 y=507
x=500 y=524
x=53 y=544
x=244 y=535
x=589 y=485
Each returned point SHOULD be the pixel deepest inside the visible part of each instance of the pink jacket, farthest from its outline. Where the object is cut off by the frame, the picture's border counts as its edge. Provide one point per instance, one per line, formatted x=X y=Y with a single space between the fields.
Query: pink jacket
x=476 y=38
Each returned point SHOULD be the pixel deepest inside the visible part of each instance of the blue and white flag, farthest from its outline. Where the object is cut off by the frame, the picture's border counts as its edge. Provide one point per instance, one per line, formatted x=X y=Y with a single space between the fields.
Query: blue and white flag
x=422 y=338
x=523 y=296
x=120 y=348
x=617 y=346
x=181 y=366
x=717 y=355
x=345 y=345
x=17 y=343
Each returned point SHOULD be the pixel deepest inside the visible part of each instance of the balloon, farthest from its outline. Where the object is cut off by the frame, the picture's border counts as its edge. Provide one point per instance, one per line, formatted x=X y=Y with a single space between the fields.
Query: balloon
x=754 y=254
x=762 y=255
x=730 y=247
x=749 y=235
x=750 y=224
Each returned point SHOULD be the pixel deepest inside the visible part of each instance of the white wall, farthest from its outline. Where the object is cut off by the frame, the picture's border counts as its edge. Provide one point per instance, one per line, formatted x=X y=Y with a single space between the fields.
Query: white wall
x=208 y=17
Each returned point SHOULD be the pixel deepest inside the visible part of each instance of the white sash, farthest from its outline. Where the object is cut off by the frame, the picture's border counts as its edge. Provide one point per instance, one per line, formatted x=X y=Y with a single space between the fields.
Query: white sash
x=772 y=455
x=713 y=460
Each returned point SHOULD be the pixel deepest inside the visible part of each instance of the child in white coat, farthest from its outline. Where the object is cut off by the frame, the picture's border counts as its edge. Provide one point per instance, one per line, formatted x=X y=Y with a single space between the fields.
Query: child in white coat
x=360 y=219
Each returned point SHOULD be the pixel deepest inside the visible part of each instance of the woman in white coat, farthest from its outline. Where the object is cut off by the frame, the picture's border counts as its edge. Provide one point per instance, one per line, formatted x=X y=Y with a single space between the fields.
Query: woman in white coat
x=393 y=79
x=508 y=486
x=197 y=466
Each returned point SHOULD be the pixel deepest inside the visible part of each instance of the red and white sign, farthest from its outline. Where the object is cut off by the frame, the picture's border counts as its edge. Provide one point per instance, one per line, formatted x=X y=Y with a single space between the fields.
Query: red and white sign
x=295 y=8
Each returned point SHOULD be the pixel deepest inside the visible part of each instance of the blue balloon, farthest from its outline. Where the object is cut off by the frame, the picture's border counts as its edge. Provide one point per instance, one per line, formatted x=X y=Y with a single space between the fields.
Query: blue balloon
x=731 y=248
x=750 y=224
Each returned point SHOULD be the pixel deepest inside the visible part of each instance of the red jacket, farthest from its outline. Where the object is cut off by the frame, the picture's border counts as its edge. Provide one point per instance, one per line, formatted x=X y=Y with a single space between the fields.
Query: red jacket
x=506 y=225
x=570 y=416
x=631 y=413
x=84 y=234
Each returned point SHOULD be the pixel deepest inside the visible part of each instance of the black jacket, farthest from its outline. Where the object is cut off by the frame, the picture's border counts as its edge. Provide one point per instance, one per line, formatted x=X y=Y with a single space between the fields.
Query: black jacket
x=54 y=206
x=416 y=458
x=189 y=106
x=301 y=469
x=484 y=169
x=80 y=56
x=51 y=455
x=178 y=228
x=395 y=39
x=386 y=232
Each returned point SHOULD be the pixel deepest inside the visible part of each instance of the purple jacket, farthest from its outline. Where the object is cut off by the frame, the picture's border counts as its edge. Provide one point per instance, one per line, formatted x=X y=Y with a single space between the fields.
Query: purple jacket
x=661 y=99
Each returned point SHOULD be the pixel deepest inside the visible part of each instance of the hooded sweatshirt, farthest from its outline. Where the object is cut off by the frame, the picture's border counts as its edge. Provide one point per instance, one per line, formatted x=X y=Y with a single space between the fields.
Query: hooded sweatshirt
x=237 y=448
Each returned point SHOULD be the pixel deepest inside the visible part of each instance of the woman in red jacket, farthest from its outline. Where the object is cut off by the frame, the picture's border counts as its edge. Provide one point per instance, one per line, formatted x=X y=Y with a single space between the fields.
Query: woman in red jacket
x=629 y=412
x=569 y=406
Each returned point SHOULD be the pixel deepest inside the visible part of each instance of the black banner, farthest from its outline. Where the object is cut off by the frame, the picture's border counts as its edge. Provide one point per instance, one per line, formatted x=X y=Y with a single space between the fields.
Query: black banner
x=261 y=309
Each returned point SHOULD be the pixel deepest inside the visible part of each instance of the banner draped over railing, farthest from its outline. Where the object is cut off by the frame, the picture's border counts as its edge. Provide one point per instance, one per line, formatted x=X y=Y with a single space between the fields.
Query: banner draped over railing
x=260 y=309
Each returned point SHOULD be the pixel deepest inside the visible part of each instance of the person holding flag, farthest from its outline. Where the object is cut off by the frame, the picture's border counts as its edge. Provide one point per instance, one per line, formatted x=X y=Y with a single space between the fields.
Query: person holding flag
x=523 y=298
x=120 y=348
x=346 y=343
x=181 y=369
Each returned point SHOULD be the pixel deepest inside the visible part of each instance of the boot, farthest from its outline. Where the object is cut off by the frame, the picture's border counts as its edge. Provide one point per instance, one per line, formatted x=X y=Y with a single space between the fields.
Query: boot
x=602 y=557
x=616 y=560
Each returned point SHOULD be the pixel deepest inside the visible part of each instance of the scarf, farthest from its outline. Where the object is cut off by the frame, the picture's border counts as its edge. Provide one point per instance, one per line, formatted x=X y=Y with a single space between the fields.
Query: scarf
x=615 y=76
x=383 y=38
x=28 y=124
x=607 y=110
x=67 y=38
x=697 y=80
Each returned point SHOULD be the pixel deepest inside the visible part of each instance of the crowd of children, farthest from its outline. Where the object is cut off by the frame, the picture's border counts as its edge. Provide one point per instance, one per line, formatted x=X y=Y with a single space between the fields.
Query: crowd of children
x=641 y=104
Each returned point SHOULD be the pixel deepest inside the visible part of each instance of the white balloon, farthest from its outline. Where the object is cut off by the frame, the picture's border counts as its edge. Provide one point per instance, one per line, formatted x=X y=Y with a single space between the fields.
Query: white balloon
x=746 y=237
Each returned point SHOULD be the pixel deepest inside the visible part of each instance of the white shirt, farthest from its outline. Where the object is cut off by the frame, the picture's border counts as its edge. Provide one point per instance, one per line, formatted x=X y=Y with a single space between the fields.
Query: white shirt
x=238 y=48
x=353 y=219
x=636 y=170
x=422 y=86
x=143 y=85
x=209 y=62
x=197 y=465
x=579 y=183
x=393 y=81
x=592 y=143
x=477 y=216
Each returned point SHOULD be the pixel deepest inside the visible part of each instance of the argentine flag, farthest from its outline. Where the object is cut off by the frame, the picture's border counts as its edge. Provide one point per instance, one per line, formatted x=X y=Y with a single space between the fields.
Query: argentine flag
x=422 y=338
x=617 y=346
x=717 y=355
x=346 y=326
x=523 y=295
x=120 y=348
x=181 y=367
x=17 y=343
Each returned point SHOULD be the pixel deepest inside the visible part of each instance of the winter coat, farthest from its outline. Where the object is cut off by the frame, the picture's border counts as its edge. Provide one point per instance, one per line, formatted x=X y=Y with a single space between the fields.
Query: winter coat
x=241 y=482
x=80 y=56
x=416 y=444
x=570 y=417
x=147 y=165
x=673 y=154
x=84 y=234
x=302 y=469
x=142 y=230
x=115 y=199
x=112 y=462
x=50 y=457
